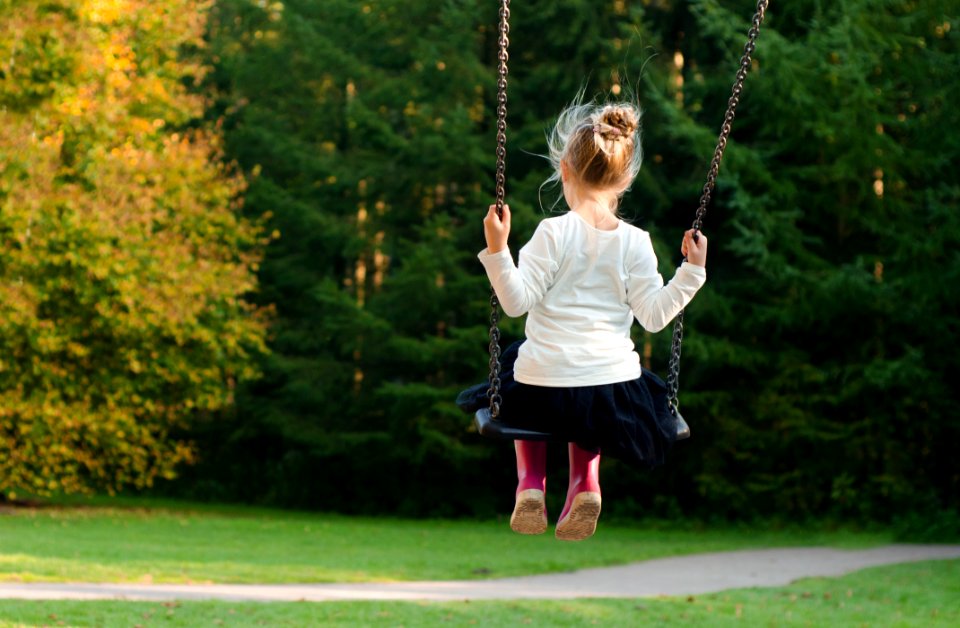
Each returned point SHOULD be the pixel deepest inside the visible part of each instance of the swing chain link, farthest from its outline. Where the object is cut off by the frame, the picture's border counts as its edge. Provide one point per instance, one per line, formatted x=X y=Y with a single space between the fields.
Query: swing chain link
x=503 y=43
x=493 y=392
x=673 y=379
x=503 y=56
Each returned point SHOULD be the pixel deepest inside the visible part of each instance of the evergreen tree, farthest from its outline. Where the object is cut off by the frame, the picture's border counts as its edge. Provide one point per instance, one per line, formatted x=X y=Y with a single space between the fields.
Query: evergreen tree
x=367 y=150
x=814 y=375
x=813 y=371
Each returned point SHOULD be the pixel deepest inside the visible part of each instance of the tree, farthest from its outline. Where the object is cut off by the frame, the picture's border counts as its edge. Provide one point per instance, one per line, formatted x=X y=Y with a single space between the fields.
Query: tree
x=814 y=362
x=813 y=371
x=124 y=264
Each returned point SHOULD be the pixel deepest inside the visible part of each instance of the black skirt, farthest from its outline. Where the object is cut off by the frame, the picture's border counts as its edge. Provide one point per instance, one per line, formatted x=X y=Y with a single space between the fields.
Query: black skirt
x=630 y=420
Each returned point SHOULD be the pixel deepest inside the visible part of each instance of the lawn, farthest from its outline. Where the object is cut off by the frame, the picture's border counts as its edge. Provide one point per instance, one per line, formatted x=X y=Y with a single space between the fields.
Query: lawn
x=124 y=541
x=917 y=594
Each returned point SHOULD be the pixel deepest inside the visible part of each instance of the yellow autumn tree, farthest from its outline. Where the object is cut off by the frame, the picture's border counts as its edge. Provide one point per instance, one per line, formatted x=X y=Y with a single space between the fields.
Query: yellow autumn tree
x=124 y=259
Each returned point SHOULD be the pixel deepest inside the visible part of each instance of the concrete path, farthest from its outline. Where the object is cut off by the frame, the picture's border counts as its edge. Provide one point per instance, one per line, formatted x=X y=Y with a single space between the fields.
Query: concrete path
x=679 y=576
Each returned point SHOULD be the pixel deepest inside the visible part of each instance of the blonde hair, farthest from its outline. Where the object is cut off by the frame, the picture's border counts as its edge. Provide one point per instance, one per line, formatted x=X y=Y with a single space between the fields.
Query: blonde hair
x=600 y=143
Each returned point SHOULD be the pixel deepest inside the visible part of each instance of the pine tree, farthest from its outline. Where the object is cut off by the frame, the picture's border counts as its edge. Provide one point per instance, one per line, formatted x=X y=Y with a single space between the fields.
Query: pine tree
x=813 y=374
x=813 y=364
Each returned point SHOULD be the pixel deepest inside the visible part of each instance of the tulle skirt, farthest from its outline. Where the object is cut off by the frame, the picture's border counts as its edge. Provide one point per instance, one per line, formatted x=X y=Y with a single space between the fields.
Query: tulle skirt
x=630 y=420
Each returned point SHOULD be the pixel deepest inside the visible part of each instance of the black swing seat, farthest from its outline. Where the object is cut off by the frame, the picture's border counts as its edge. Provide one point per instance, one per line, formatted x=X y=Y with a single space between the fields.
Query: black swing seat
x=491 y=428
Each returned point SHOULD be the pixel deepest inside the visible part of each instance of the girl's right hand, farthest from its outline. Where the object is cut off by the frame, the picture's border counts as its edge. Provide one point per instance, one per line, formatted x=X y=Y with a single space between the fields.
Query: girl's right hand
x=496 y=229
x=695 y=252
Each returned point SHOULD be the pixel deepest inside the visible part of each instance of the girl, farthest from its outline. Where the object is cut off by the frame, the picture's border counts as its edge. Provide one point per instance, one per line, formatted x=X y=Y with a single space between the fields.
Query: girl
x=581 y=279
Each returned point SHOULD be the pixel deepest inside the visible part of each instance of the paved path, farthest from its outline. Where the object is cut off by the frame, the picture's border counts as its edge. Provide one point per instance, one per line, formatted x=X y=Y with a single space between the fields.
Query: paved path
x=684 y=575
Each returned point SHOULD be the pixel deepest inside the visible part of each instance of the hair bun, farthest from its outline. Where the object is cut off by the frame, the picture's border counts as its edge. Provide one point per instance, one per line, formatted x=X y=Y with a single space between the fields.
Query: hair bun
x=623 y=120
x=599 y=144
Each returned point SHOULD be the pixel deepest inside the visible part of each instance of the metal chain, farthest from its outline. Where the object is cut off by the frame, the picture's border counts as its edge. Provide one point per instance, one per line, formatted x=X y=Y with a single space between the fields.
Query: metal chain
x=503 y=43
x=673 y=383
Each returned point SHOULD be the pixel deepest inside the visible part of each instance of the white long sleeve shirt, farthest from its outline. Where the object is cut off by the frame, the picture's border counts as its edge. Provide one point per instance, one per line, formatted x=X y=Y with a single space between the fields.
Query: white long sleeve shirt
x=582 y=287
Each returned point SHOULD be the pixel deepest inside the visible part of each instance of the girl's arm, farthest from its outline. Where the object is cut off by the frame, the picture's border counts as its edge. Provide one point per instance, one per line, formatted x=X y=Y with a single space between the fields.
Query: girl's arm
x=519 y=288
x=654 y=304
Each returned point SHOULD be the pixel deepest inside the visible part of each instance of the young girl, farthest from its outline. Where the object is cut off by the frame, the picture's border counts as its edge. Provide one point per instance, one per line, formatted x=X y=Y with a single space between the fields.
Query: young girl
x=581 y=279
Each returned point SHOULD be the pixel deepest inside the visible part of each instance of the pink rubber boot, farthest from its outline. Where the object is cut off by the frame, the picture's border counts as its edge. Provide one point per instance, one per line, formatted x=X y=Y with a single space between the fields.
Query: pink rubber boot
x=530 y=512
x=579 y=518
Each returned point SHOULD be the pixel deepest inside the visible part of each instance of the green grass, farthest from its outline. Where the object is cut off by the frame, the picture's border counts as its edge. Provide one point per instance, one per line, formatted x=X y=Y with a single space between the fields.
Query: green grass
x=917 y=594
x=185 y=543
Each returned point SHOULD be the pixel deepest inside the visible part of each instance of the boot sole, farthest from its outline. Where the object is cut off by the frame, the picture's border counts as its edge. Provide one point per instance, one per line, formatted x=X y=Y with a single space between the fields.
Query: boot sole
x=581 y=522
x=528 y=515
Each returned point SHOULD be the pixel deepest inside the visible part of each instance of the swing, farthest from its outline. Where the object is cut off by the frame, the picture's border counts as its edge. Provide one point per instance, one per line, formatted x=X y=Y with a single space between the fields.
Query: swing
x=485 y=419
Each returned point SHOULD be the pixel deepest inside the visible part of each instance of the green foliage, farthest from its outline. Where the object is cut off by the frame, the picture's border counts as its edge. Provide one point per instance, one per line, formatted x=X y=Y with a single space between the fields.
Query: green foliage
x=122 y=263
x=834 y=249
x=817 y=357
x=368 y=151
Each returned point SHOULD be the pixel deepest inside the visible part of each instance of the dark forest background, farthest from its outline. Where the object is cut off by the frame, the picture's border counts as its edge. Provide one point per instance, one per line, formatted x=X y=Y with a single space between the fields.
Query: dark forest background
x=818 y=358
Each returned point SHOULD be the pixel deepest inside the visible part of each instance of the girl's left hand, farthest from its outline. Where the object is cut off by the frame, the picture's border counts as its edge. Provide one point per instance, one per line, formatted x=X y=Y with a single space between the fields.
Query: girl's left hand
x=496 y=229
x=695 y=252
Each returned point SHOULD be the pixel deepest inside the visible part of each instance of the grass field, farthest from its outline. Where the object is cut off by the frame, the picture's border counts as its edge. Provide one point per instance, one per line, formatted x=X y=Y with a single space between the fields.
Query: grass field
x=123 y=541
x=918 y=594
